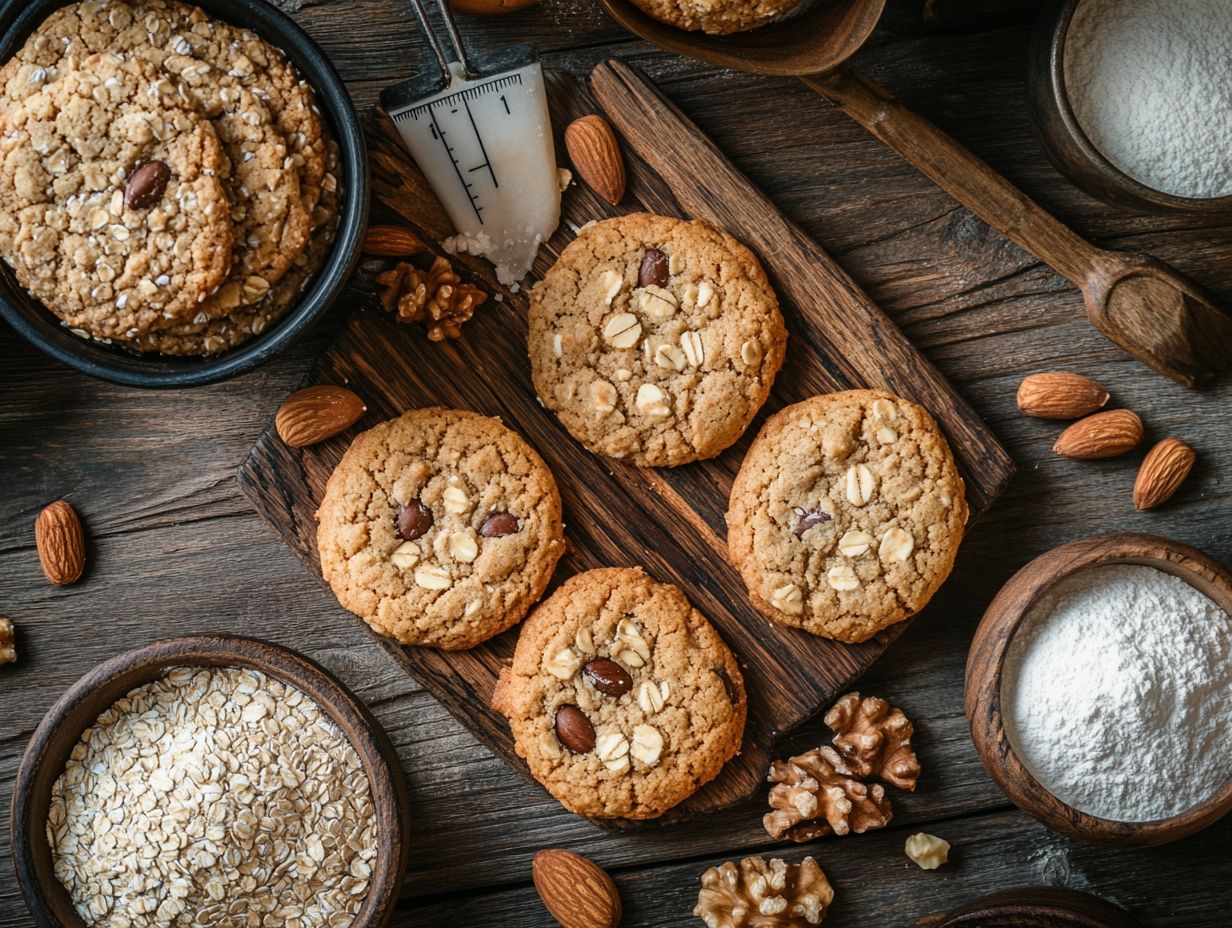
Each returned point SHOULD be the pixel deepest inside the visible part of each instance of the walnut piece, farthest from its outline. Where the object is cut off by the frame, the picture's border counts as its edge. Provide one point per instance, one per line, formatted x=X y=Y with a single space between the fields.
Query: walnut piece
x=435 y=297
x=758 y=894
x=815 y=795
x=929 y=851
x=874 y=739
x=8 y=650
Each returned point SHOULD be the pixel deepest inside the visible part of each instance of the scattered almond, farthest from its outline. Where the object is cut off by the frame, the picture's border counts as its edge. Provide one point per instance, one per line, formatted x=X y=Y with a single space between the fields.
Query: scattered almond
x=575 y=890
x=61 y=543
x=317 y=413
x=392 y=242
x=1163 y=470
x=1060 y=395
x=1103 y=435
x=596 y=155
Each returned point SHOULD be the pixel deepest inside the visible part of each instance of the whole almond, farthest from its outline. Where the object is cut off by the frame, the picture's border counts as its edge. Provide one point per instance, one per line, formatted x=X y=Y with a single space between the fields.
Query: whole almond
x=146 y=185
x=576 y=891
x=1103 y=435
x=61 y=543
x=595 y=153
x=316 y=413
x=1060 y=395
x=1163 y=470
x=392 y=242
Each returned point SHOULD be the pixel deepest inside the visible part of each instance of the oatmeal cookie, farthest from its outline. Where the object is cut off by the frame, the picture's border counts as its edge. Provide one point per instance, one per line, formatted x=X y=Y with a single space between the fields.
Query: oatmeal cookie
x=621 y=696
x=655 y=339
x=846 y=514
x=718 y=17
x=104 y=256
x=441 y=528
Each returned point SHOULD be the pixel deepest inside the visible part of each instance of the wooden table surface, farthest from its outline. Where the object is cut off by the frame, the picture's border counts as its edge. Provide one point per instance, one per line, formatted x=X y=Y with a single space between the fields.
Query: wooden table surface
x=175 y=549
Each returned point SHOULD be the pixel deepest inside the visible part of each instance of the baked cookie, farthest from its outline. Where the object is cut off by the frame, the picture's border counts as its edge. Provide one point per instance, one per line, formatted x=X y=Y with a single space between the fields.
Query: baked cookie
x=201 y=58
x=846 y=514
x=655 y=339
x=718 y=17
x=621 y=696
x=440 y=528
x=212 y=336
x=112 y=211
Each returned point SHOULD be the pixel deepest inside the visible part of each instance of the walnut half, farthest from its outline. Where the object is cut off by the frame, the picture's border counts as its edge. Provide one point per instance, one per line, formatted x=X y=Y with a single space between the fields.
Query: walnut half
x=874 y=739
x=8 y=650
x=757 y=894
x=815 y=795
x=436 y=297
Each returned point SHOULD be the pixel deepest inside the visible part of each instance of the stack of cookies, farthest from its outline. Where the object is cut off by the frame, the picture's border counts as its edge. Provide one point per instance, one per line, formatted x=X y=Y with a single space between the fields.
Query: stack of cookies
x=166 y=181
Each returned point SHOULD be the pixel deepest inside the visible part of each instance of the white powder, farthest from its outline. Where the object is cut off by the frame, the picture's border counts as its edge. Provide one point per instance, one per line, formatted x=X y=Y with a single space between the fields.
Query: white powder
x=1117 y=693
x=1150 y=82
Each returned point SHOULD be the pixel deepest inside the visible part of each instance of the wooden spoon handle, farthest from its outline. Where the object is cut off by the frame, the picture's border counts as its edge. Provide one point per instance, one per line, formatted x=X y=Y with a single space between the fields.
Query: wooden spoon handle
x=961 y=174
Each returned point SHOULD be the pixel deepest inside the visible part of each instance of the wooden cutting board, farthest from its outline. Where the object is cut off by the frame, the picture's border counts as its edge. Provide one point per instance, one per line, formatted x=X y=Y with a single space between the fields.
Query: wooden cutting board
x=669 y=521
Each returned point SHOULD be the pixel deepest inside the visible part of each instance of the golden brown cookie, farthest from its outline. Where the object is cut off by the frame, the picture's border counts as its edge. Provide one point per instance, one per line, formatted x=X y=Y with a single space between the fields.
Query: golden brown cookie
x=621 y=696
x=846 y=514
x=441 y=528
x=718 y=17
x=655 y=339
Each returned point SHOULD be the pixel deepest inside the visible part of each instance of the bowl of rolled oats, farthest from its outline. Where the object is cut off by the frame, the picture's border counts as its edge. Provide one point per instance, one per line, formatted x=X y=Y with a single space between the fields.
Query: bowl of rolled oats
x=207 y=782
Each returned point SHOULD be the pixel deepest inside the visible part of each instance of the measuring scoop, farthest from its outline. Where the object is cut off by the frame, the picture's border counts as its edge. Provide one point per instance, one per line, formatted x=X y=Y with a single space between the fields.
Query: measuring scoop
x=479 y=129
x=1149 y=309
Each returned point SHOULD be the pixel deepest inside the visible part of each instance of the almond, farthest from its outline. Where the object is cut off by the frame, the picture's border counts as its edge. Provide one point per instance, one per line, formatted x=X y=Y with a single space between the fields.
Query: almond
x=596 y=156
x=61 y=543
x=1060 y=395
x=316 y=413
x=1103 y=435
x=1163 y=470
x=575 y=890
x=392 y=242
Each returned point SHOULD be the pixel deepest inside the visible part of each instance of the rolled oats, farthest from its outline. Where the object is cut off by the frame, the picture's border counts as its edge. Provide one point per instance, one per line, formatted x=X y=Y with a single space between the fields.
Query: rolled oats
x=228 y=798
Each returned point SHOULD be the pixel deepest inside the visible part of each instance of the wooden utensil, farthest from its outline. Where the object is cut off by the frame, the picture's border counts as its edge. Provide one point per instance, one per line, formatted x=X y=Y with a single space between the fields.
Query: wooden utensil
x=669 y=521
x=82 y=704
x=1146 y=307
x=1034 y=907
x=987 y=658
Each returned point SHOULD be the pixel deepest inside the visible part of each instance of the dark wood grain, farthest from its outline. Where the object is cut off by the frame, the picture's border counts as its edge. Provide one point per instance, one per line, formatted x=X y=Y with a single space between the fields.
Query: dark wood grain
x=1012 y=604
x=176 y=549
x=618 y=514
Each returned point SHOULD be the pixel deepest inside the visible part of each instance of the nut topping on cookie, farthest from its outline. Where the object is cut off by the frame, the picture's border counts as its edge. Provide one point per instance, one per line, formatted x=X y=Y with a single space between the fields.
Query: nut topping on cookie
x=414 y=520
x=808 y=520
x=564 y=665
x=656 y=302
x=498 y=525
x=654 y=269
x=622 y=330
x=146 y=185
x=574 y=730
x=608 y=677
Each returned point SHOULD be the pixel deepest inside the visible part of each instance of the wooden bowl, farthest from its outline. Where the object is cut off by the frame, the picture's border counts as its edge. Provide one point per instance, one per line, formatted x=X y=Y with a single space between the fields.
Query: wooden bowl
x=1034 y=907
x=1067 y=144
x=78 y=708
x=987 y=657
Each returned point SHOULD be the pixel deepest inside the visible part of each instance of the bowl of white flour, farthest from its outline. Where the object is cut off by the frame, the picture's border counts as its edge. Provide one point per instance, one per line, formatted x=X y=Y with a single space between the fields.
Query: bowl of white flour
x=1099 y=689
x=1133 y=99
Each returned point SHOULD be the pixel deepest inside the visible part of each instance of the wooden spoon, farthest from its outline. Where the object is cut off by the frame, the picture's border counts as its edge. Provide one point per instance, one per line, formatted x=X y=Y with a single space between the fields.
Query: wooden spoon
x=1148 y=308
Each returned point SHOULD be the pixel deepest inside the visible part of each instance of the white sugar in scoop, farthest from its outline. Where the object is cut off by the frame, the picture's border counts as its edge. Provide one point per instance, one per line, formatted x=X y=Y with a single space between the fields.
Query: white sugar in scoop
x=479 y=129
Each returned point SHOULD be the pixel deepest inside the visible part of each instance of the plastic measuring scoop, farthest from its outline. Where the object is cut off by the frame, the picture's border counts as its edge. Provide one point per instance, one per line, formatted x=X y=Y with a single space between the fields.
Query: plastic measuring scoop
x=479 y=130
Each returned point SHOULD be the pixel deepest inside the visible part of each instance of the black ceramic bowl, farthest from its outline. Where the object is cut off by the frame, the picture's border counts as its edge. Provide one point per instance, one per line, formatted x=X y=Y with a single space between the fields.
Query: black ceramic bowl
x=18 y=18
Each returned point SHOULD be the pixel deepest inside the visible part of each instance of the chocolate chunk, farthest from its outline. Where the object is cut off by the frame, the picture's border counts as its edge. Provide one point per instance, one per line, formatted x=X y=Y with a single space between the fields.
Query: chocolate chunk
x=653 y=270
x=733 y=694
x=574 y=730
x=608 y=677
x=806 y=520
x=146 y=185
x=499 y=524
x=414 y=519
